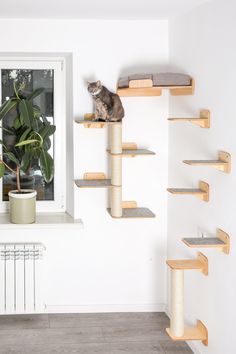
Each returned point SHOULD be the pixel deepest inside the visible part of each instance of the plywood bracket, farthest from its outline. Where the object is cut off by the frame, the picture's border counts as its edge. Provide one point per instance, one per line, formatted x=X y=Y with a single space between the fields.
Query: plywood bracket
x=93 y=180
x=200 y=263
x=202 y=192
x=204 y=187
x=199 y=332
x=224 y=237
x=183 y=90
x=143 y=83
x=90 y=123
x=204 y=262
x=222 y=164
x=130 y=210
x=131 y=150
x=129 y=146
x=221 y=241
x=129 y=204
x=203 y=121
x=225 y=157
x=139 y=91
x=94 y=175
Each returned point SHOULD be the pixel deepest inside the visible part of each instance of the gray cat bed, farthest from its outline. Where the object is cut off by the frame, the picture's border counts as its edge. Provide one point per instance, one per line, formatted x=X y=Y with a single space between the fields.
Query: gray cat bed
x=158 y=80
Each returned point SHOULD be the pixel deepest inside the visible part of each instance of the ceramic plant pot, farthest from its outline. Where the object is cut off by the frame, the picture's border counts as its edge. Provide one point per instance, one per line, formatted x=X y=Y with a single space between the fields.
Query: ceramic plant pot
x=22 y=206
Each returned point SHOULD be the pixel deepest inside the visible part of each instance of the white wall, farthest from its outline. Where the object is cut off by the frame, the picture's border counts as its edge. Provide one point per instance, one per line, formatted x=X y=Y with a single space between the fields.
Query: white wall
x=202 y=43
x=111 y=264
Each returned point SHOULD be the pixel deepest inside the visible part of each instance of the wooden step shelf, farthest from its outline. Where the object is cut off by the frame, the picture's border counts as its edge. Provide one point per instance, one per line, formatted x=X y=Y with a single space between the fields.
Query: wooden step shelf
x=199 y=332
x=131 y=150
x=130 y=210
x=200 y=264
x=222 y=164
x=203 y=121
x=202 y=192
x=89 y=122
x=156 y=90
x=221 y=242
x=93 y=180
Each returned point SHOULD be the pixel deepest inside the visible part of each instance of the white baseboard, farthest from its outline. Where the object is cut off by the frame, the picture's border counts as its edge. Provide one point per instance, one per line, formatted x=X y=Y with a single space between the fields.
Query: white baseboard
x=100 y=308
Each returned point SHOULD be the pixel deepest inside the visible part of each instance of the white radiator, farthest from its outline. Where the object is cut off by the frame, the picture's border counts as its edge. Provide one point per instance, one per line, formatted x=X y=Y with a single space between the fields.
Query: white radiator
x=21 y=278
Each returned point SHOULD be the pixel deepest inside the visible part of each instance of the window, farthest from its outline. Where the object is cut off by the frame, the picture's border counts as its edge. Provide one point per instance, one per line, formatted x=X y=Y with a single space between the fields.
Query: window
x=35 y=74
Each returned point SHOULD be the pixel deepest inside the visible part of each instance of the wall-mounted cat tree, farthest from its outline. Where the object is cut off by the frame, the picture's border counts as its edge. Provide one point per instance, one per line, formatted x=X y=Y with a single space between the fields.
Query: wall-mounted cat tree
x=203 y=121
x=202 y=192
x=222 y=164
x=117 y=151
x=221 y=241
x=177 y=330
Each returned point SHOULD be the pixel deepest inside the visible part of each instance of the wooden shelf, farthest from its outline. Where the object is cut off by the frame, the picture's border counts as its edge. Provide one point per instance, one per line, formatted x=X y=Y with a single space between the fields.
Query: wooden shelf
x=89 y=122
x=222 y=164
x=202 y=192
x=156 y=90
x=192 y=333
x=201 y=264
x=203 y=121
x=131 y=150
x=221 y=242
x=130 y=210
x=93 y=180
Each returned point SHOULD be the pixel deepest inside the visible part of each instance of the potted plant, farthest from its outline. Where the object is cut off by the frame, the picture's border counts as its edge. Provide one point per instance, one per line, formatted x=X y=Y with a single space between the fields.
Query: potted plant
x=25 y=142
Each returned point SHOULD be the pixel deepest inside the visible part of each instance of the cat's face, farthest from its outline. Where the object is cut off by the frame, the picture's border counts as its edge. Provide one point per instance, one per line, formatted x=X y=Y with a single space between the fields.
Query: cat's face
x=94 y=87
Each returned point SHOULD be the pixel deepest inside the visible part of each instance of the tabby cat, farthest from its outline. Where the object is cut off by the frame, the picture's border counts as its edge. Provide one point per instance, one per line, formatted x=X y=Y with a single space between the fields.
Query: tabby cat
x=108 y=106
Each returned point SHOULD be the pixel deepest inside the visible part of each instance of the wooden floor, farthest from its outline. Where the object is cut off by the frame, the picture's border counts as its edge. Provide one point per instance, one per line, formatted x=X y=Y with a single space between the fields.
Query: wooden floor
x=112 y=333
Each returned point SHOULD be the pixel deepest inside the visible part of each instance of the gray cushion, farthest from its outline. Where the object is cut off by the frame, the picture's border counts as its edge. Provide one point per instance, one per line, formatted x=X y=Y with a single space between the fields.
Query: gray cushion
x=161 y=79
x=171 y=79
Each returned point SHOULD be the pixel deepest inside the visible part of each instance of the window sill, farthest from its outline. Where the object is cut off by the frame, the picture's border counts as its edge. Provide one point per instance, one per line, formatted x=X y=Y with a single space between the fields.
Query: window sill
x=43 y=221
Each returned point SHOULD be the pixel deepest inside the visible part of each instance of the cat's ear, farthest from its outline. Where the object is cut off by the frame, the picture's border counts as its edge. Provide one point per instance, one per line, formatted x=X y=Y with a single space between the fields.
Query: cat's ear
x=99 y=84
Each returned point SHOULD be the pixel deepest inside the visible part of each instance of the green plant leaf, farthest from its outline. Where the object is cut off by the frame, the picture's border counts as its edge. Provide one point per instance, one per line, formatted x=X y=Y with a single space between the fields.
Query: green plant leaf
x=7 y=107
x=35 y=93
x=46 y=166
x=27 y=142
x=12 y=157
x=47 y=130
x=2 y=169
x=26 y=161
x=47 y=144
x=37 y=111
x=24 y=135
x=17 y=123
x=26 y=112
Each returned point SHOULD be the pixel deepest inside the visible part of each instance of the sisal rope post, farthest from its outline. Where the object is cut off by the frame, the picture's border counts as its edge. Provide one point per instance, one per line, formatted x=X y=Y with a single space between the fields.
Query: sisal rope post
x=116 y=201
x=116 y=138
x=177 y=303
x=116 y=170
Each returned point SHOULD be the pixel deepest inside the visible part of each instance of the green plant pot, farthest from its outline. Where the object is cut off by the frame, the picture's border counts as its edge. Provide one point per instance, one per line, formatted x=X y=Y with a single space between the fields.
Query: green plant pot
x=22 y=206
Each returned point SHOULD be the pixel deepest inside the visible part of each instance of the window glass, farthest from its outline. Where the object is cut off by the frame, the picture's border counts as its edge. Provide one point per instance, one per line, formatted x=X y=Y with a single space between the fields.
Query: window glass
x=31 y=80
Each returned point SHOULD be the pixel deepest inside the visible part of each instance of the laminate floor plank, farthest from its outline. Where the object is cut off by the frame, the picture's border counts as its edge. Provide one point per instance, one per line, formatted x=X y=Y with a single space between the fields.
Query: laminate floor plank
x=134 y=334
x=170 y=347
x=136 y=348
x=103 y=333
x=23 y=321
x=86 y=348
x=52 y=336
x=109 y=319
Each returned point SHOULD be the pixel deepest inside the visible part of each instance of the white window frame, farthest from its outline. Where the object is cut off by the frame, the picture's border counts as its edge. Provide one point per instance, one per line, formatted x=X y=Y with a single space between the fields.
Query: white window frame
x=40 y=63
